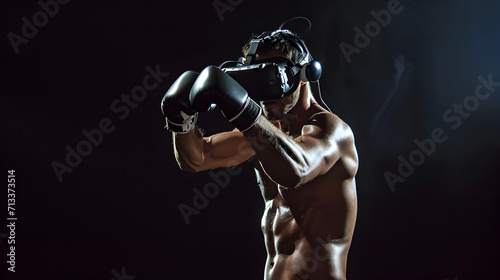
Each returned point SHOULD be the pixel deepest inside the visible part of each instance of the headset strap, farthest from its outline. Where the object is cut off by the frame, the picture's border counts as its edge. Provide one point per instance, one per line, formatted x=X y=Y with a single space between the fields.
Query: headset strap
x=254 y=44
x=284 y=33
x=295 y=70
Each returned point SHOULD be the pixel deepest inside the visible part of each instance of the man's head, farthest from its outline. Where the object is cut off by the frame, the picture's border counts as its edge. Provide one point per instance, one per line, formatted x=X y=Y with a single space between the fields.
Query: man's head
x=272 y=47
x=280 y=43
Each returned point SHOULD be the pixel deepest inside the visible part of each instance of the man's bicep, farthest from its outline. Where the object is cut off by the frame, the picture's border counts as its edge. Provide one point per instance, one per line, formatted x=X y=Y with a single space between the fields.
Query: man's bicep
x=226 y=149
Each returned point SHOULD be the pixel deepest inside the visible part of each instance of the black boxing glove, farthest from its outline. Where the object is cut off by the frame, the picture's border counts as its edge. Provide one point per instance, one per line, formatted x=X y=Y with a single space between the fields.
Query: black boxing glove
x=180 y=115
x=215 y=86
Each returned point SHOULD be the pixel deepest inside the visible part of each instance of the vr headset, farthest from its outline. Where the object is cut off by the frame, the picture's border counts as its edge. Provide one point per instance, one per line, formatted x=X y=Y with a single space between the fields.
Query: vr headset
x=277 y=77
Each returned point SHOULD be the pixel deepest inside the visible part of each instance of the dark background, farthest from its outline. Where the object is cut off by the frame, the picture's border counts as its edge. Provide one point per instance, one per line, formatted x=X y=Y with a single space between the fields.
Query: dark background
x=119 y=207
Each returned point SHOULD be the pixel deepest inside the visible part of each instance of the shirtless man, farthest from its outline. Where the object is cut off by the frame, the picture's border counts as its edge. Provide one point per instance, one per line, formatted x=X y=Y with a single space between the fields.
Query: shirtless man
x=305 y=163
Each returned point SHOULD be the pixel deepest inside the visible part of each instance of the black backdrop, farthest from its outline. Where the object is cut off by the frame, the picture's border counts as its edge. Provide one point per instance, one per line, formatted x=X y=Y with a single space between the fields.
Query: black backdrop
x=115 y=215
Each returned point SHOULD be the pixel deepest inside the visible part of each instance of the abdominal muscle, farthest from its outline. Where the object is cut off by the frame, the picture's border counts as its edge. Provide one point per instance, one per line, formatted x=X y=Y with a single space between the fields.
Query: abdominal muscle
x=299 y=242
x=291 y=255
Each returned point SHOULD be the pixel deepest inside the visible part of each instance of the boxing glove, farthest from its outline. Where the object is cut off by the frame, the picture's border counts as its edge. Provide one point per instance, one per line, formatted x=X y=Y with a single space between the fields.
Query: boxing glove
x=215 y=86
x=180 y=115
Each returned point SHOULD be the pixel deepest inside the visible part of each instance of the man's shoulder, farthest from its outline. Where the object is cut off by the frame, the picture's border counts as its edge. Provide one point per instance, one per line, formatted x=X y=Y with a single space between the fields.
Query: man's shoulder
x=331 y=124
x=340 y=135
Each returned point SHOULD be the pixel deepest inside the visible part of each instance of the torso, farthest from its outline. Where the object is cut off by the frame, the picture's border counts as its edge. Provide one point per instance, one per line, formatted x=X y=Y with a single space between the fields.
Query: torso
x=308 y=230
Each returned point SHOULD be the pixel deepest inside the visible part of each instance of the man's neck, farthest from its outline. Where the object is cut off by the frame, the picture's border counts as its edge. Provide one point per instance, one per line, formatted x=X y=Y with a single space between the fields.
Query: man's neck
x=300 y=113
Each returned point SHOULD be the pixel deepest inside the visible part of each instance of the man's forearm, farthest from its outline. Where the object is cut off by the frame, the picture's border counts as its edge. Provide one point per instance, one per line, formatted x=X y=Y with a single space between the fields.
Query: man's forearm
x=188 y=149
x=197 y=153
x=281 y=157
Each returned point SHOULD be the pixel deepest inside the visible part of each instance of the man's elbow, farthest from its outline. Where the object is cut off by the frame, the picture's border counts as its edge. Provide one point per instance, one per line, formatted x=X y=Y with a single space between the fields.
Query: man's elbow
x=292 y=183
x=188 y=166
x=291 y=180
x=298 y=176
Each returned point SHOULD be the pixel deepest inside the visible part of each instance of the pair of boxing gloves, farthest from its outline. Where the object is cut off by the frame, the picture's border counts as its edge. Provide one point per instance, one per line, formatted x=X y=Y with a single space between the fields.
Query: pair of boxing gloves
x=192 y=93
